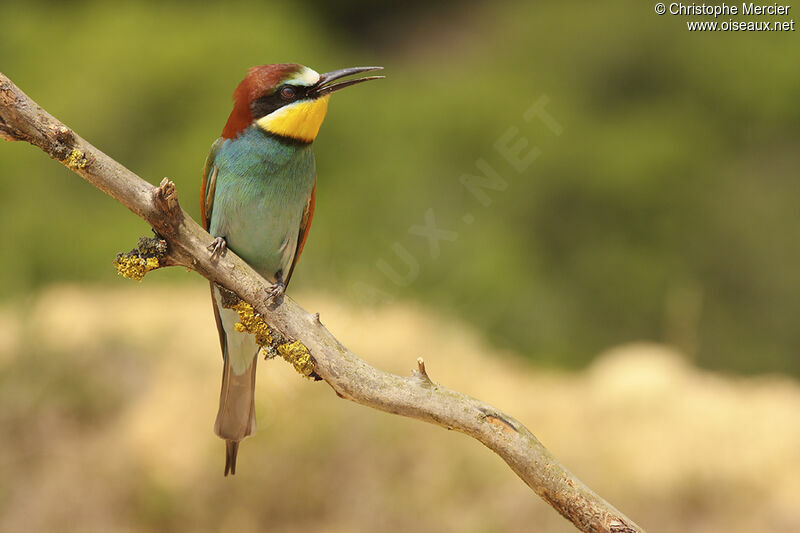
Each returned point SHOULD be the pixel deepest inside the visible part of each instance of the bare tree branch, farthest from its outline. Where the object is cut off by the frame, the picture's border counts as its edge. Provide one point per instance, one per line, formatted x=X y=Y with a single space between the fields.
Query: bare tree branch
x=350 y=377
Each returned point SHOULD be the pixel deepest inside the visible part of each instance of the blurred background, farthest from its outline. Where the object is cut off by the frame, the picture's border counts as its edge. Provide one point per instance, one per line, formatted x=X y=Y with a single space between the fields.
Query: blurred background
x=628 y=286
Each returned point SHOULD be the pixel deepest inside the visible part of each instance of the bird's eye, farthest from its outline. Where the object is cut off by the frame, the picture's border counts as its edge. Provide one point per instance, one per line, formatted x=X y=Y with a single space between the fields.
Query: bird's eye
x=288 y=93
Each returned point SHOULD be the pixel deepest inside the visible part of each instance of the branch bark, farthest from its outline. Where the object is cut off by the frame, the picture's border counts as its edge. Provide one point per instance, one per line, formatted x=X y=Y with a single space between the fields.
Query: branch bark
x=350 y=377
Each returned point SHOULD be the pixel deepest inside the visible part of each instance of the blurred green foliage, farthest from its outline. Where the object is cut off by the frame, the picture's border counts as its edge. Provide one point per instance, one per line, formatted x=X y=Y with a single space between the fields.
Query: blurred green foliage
x=666 y=210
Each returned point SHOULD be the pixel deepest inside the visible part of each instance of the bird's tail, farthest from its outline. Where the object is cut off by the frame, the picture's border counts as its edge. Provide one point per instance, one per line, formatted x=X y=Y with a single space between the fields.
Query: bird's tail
x=236 y=418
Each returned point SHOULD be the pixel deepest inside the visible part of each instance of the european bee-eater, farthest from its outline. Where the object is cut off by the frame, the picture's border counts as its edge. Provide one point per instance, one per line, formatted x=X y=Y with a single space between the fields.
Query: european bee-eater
x=258 y=193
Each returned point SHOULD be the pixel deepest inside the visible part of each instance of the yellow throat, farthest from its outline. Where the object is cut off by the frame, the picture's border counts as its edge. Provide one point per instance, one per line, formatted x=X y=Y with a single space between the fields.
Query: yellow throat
x=300 y=120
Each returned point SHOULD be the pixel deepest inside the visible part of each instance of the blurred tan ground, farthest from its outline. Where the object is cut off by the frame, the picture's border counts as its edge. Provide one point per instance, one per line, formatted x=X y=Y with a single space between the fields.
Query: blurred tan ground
x=107 y=399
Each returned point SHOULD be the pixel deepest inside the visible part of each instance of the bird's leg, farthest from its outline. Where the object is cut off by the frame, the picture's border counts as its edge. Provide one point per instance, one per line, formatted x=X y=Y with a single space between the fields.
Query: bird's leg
x=218 y=247
x=277 y=289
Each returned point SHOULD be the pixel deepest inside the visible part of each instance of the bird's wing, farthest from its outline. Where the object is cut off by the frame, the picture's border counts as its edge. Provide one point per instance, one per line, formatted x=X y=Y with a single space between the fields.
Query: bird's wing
x=207 y=187
x=209 y=184
x=305 y=225
x=223 y=338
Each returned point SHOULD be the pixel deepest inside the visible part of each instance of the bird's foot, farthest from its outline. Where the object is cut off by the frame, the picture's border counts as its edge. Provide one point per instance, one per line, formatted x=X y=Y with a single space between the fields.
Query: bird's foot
x=275 y=291
x=218 y=247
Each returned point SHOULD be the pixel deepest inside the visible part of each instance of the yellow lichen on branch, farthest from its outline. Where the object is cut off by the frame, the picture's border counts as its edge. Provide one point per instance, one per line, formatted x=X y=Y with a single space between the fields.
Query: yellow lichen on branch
x=75 y=160
x=295 y=353
x=251 y=322
x=298 y=355
x=134 y=267
x=142 y=259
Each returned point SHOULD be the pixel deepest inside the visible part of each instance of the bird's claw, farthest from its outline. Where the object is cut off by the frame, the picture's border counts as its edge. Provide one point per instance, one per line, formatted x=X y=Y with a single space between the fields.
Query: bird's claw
x=275 y=291
x=218 y=247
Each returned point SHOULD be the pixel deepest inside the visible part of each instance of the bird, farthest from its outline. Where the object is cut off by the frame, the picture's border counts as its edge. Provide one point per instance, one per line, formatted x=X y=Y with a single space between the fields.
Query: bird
x=258 y=195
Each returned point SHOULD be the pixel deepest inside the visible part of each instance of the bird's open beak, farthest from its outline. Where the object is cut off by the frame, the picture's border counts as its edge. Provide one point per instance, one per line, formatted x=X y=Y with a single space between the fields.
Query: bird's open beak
x=324 y=85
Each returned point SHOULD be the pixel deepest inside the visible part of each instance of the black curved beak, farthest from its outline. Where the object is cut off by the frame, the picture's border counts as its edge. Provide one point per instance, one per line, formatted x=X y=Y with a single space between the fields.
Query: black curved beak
x=325 y=86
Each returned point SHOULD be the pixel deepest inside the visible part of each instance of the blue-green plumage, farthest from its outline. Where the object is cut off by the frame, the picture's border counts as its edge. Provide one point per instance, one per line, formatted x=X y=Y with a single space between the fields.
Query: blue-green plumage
x=262 y=188
x=258 y=192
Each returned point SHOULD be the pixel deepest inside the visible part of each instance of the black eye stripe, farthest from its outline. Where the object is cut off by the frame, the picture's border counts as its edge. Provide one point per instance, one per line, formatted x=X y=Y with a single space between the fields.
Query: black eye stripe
x=261 y=107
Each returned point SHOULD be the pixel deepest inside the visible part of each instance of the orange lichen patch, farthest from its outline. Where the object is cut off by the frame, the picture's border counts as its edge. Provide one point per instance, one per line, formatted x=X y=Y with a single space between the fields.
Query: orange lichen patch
x=501 y=423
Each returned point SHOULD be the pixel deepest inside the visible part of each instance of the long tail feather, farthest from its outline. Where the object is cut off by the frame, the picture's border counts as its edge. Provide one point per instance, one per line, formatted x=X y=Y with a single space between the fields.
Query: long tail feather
x=236 y=418
x=231 y=450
